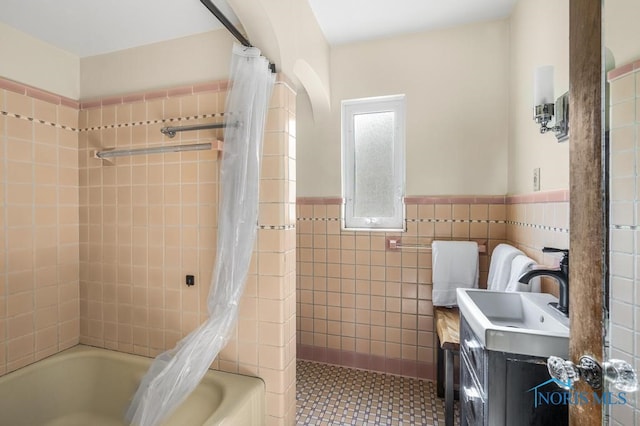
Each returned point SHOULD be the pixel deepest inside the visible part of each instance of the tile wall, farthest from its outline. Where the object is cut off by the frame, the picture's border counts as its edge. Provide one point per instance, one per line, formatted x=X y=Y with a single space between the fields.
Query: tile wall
x=538 y=220
x=39 y=268
x=97 y=251
x=624 y=188
x=148 y=221
x=364 y=306
x=145 y=222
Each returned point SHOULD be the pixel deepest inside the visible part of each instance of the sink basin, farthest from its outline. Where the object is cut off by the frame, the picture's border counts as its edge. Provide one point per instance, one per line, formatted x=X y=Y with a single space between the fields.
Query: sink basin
x=521 y=323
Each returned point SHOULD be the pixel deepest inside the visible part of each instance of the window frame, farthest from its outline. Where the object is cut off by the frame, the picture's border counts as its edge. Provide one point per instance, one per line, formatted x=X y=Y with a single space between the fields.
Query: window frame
x=349 y=109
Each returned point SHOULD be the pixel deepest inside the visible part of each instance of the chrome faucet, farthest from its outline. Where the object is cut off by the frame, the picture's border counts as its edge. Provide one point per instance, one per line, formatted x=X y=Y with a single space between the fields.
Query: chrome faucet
x=561 y=275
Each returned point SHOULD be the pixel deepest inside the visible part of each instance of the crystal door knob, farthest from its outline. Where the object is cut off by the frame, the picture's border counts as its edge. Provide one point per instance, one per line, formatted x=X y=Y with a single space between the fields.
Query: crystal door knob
x=565 y=372
x=621 y=374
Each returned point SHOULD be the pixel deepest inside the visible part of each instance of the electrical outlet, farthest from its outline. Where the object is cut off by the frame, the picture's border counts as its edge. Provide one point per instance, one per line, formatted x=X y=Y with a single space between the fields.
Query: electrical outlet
x=536 y=179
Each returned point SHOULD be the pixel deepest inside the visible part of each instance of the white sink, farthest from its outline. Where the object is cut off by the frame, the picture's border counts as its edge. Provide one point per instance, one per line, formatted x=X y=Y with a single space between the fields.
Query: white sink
x=521 y=323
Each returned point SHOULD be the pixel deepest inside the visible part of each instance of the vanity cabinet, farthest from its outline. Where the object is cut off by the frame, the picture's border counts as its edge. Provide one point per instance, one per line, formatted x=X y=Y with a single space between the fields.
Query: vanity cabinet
x=497 y=388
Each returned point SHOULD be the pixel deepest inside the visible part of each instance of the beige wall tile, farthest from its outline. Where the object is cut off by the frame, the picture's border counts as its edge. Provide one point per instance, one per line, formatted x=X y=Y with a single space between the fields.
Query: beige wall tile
x=400 y=307
x=623 y=88
x=623 y=114
x=18 y=104
x=21 y=347
x=68 y=116
x=144 y=222
x=623 y=164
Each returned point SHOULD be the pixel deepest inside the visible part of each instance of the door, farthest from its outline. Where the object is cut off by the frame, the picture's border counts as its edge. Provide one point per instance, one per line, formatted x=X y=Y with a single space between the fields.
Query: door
x=587 y=209
x=593 y=205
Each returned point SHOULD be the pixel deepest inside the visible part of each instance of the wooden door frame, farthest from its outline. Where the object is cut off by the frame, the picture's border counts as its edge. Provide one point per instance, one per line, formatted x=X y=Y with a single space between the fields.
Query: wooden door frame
x=587 y=209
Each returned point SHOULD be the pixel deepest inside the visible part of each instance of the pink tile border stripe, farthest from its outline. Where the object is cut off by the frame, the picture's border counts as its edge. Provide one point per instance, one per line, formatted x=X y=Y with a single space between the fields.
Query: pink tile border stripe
x=623 y=70
x=213 y=86
x=416 y=199
x=409 y=368
x=319 y=200
x=24 y=89
x=454 y=199
x=557 y=196
x=43 y=95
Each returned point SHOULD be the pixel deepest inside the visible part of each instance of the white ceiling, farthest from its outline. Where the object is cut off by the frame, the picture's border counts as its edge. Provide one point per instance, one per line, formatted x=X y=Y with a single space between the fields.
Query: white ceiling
x=92 y=27
x=345 y=21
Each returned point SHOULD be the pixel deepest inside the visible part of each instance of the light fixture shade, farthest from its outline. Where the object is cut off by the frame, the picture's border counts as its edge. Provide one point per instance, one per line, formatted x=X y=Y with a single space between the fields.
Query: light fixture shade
x=543 y=86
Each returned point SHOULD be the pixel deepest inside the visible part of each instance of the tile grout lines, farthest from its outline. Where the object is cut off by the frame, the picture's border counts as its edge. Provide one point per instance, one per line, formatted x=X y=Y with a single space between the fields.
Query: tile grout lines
x=336 y=395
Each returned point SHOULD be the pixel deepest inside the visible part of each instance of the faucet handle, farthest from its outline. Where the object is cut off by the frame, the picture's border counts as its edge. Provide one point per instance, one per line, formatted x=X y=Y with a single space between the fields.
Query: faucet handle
x=564 y=261
x=555 y=250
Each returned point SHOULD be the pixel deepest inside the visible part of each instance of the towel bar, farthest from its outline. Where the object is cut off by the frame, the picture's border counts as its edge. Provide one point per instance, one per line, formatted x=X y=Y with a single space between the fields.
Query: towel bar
x=395 y=243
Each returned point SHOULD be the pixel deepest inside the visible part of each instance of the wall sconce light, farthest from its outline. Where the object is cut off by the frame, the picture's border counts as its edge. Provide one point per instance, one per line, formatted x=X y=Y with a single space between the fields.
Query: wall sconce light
x=544 y=108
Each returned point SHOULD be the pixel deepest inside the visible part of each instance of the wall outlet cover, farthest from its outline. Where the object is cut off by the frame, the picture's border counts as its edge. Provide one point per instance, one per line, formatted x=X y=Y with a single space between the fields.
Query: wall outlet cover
x=536 y=179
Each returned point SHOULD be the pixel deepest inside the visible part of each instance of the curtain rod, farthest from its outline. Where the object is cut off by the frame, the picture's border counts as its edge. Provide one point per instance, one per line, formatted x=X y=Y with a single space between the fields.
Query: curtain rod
x=224 y=21
x=171 y=131
x=231 y=28
x=155 y=150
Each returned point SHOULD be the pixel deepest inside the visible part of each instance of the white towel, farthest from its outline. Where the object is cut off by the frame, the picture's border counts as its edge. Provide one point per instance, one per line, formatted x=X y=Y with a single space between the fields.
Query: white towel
x=455 y=265
x=500 y=267
x=519 y=266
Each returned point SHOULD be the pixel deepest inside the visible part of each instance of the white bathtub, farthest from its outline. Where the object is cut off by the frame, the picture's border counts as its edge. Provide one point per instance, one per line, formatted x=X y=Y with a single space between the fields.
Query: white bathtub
x=86 y=386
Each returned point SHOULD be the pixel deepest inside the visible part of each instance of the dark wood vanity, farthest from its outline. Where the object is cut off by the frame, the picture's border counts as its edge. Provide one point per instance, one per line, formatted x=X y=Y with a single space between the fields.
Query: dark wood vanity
x=498 y=388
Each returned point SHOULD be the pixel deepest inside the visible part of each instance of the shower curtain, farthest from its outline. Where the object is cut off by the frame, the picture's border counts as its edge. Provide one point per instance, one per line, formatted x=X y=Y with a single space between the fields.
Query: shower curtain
x=176 y=372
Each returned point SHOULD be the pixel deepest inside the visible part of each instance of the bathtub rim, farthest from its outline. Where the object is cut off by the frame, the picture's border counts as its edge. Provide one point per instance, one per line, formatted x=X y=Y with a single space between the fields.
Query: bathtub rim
x=233 y=398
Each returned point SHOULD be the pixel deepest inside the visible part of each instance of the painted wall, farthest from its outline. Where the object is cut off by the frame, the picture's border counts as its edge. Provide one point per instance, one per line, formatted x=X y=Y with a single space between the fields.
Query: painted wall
x=621 y=30
x=455 y=144
x=539 y=35
x=187 y=60
x=173 y=63
x=288 y=34
x=357 y=302
x=22 y=61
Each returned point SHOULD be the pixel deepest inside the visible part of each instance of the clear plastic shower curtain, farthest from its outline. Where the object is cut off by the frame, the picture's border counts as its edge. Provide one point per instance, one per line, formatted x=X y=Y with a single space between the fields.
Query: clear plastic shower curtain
x=175 y=373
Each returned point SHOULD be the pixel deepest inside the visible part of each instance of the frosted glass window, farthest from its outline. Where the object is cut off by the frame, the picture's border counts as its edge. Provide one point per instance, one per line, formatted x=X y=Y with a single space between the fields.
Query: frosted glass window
x=373 y=163
x=373 y=137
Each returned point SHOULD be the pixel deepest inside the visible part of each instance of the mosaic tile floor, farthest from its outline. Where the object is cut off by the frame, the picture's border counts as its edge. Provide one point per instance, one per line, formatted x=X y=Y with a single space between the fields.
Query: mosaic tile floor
x=333 y=395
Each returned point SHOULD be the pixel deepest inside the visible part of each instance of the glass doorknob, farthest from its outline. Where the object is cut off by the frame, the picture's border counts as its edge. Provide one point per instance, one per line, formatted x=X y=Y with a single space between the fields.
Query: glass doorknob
x=565 y=372
x=619 y=373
